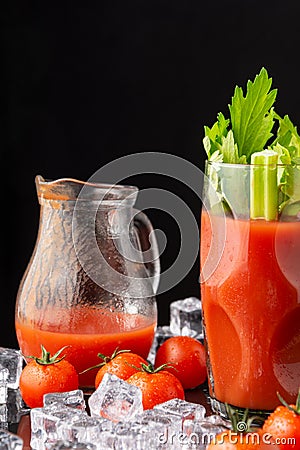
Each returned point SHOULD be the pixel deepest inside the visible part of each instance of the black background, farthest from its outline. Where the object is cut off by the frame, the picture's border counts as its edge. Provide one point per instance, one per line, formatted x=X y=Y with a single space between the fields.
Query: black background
x=84 y=83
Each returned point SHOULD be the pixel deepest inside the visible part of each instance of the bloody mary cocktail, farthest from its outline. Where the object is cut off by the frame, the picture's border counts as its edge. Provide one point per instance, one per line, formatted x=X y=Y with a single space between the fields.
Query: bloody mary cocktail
x=250 y=252
x=252 y=312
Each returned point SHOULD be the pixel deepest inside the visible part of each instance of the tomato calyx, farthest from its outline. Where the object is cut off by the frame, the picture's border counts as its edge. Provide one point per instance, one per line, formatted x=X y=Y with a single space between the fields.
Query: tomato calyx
x=148 y=368
x=105 y=359
x=46 y=359
x=295 y=409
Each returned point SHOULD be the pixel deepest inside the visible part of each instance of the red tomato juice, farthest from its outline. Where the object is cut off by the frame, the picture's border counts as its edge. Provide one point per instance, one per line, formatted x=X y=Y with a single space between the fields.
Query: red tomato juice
x=87 y=334
x=251 y=310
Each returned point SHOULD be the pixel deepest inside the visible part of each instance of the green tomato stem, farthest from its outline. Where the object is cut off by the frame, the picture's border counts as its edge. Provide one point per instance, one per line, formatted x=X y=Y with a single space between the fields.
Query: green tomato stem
x=46 y=358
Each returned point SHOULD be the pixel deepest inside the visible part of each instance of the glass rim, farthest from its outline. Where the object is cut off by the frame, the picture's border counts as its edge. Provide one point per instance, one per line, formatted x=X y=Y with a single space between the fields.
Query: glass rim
x=70 y=189
x=248 y=165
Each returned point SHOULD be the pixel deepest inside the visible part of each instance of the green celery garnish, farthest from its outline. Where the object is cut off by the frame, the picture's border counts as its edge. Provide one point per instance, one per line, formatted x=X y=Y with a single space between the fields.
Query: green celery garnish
x=287 y=145
x=263 y=185
x=245 y=138
x=287 y=136
x=252 y=116
x=251 y=120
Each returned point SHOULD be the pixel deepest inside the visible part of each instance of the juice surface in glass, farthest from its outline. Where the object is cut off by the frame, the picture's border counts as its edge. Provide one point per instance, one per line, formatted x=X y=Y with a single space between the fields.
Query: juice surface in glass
x=87 y=332
x=251 y=310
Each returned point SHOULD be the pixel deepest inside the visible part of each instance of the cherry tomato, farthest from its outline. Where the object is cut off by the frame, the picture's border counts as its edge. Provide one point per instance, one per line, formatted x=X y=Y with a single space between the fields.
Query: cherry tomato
x=122 y=364
x=44 y=375
x=187 y=358
x=284 y=425
x=157 y=386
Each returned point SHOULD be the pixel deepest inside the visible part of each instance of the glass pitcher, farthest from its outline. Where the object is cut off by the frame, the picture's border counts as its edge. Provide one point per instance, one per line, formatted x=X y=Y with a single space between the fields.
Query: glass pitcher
x=92 y=279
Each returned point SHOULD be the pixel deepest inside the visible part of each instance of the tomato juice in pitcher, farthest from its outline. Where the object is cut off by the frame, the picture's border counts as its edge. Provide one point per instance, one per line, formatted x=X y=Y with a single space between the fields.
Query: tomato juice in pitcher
x=87 y=285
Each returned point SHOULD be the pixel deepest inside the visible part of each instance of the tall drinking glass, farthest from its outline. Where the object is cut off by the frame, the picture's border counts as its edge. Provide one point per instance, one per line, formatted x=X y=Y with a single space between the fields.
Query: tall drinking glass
x=250 y=284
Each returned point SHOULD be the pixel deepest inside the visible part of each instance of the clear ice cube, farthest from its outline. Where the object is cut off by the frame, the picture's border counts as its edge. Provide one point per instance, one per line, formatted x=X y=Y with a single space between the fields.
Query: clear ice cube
x=3 y=416
x=45 y=424
x=13 y=361
x=162 y=333
x=4 y=374
x=163 y=428
x=131 y=435
x=200 y=433
x=74 y=399
x=84 y=430
x=64 y=445
x=16 y=406
x=115 y=399
x=218 y=420
x=10 y=441
x=182 y=409
x=186 y=317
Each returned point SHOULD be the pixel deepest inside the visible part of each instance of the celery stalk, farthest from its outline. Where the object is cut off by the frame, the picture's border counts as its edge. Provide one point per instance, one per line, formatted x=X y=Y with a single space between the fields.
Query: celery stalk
x=263 y=185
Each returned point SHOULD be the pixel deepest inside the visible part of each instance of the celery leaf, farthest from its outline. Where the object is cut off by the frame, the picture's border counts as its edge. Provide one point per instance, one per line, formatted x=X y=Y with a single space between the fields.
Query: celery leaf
x=252 y=117
x=287 y=136
x=213 y=136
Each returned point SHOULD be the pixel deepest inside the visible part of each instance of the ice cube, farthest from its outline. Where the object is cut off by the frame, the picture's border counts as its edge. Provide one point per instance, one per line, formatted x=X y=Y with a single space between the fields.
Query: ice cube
x=74 y=399
x=16 y=406
x=115 y=399
x=13 y=361
x=45 y=422
x=131 y=435
x=182 y=409
x=162 y=427
x=218 y=408
x=186 y=317
x=84 y=430
x=10 y=441
x=108 y=439
x=3 y=416
x=218 y=420
x=162 y=333
x=4 y=374
x=64 y=445
x=200 y=433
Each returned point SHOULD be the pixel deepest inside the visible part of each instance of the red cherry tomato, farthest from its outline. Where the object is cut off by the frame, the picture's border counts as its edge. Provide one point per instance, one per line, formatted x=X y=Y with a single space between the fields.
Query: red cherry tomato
x=187 y=356
x=123 y=365
x=284 y=425
x=157 y=387
x=44 y=375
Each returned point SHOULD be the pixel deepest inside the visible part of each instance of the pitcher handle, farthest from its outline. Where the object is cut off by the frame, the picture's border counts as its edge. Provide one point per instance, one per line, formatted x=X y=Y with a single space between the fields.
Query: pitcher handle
x=150 y=246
